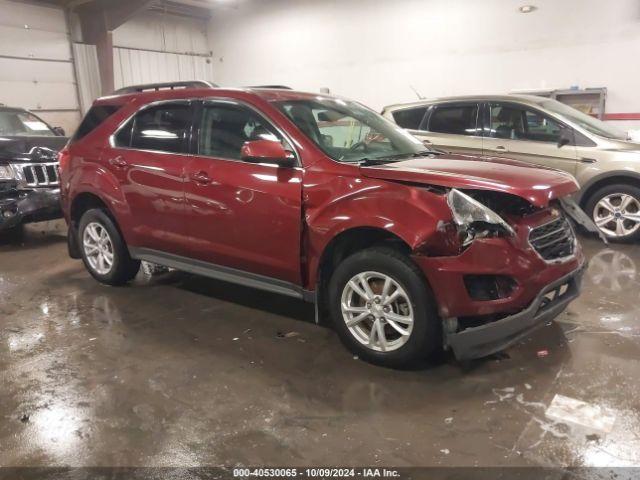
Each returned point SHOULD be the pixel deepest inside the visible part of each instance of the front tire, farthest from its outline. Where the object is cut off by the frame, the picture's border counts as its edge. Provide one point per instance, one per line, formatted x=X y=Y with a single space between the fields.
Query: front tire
x=615 y=209
x=383 y=309
x=104 y=253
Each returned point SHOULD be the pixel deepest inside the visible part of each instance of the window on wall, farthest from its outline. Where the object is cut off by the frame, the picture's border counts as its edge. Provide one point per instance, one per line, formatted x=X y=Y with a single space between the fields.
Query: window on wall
x=518 y=123
x=226 y=127
x=410 y=118
x=163 y=128
x=454 y=119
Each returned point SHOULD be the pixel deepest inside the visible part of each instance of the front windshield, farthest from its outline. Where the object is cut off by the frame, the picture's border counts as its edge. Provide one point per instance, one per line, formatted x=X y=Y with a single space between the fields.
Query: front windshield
x=348 y=131
x=23 y=124
x=590 y=124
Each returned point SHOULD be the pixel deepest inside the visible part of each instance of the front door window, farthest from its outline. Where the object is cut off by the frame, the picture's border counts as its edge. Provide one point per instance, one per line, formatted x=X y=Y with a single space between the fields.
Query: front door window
x=512 y=122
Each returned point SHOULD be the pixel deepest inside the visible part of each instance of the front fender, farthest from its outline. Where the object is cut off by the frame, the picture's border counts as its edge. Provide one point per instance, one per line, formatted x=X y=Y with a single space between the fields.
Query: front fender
x=414 y=214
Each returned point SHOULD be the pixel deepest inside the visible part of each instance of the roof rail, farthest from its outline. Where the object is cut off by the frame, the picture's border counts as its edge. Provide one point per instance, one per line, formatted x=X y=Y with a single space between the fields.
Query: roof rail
x=163 y=86
x=283 y=87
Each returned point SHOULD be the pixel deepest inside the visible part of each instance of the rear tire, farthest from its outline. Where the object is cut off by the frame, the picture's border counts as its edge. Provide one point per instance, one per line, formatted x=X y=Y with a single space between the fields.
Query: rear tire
x=396 y=323
x=616 y=211
x=104 y=253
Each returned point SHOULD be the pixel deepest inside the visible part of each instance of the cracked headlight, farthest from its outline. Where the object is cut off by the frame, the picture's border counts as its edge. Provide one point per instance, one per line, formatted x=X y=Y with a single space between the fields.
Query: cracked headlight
x=7 y=173
x=475 y=220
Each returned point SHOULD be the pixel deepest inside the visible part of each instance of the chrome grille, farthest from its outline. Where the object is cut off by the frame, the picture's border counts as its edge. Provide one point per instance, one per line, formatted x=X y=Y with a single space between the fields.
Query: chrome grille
x=39 y=174
x=554 y=240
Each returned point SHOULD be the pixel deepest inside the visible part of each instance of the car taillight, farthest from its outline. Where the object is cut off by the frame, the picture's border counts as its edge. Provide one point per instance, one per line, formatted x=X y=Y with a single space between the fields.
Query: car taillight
x=63 y=159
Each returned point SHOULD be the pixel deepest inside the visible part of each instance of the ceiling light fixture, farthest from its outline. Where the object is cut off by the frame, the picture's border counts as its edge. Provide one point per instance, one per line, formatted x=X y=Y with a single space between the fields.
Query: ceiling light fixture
x=527 y=8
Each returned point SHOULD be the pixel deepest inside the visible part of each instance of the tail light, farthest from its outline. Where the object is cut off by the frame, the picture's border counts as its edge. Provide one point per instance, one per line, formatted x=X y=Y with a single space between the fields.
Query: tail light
x=64 y=158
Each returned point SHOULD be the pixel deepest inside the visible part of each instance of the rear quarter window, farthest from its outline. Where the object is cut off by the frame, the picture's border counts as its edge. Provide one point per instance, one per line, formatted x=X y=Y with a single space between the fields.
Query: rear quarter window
x=93 y=119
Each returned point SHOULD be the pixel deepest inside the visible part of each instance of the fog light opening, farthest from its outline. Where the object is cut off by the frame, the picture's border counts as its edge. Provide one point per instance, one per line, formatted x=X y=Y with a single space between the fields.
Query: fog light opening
x=489 y=287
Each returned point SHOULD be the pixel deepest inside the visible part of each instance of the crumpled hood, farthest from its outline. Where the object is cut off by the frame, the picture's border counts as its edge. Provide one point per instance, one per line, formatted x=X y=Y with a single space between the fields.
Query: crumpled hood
x=538 y=185
x=30 y=149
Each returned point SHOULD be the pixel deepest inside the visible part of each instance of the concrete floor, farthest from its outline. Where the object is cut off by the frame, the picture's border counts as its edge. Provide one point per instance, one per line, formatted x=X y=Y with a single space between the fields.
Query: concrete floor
x=181 y=370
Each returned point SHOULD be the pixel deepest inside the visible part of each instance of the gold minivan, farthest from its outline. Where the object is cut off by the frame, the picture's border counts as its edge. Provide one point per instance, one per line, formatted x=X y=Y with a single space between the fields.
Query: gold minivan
x=541 y=131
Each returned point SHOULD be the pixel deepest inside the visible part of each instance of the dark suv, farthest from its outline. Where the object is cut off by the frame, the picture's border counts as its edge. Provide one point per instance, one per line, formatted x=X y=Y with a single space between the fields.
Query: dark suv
x=320 y=198
x=29 y=189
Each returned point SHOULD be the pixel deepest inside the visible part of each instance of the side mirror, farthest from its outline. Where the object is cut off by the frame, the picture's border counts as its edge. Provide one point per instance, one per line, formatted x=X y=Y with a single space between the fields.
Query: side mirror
x=267 y=151
x=566 y=138
x=59 y=131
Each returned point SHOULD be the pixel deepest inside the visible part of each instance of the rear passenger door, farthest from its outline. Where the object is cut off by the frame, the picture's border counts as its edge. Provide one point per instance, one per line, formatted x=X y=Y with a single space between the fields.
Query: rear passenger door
x=148 y=156
x=453 y=127
x=524 y=133
x=246 y=216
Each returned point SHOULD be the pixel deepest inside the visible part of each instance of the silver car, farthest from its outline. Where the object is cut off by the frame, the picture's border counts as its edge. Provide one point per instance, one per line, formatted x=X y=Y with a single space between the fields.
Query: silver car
x=540 y=131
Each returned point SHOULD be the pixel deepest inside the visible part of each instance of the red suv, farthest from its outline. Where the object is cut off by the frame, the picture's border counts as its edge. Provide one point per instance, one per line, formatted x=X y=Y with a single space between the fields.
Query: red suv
x=317 y=197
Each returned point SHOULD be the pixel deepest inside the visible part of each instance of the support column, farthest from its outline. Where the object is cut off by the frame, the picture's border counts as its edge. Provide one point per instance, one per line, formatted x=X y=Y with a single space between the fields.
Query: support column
x=98 y=20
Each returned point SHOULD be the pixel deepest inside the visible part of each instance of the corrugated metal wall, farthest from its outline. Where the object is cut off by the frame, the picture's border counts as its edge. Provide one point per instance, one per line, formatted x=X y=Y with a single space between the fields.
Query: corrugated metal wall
x=36 y=67
x=37 y=59
x=158 y=47
x=89 y=85
x=142 y=66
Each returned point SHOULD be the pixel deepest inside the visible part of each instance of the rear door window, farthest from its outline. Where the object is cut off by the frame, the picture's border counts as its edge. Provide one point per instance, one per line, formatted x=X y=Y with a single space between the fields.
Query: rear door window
x=454 y=119
x=162 y=128
x=409 y=118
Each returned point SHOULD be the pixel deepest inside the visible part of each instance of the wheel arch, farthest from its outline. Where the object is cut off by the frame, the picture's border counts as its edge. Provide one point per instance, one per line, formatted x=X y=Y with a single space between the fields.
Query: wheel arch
x=85 y=201
x=609 y=178
x=342 y=245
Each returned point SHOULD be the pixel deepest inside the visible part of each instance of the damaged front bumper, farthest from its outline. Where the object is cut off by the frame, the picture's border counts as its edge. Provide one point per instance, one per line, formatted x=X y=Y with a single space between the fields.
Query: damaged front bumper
x=25 y=206
x=483 y=340
x=498 y=289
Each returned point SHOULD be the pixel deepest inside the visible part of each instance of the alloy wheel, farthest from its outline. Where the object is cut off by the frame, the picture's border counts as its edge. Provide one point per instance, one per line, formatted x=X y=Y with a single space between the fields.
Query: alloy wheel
x=617 y=215
x=98 y=248
x=377 y=311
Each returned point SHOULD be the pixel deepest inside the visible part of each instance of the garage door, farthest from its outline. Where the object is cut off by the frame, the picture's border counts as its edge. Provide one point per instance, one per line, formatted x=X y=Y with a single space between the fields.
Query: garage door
x=36 y=67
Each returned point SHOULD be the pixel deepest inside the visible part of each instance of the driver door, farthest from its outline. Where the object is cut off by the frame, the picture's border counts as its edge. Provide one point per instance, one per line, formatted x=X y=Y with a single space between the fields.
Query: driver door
x=526 y=134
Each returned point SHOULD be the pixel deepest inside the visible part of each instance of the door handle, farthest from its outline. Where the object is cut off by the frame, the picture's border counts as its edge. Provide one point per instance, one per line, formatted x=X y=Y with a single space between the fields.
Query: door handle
x=201 y=178
x=118 y=162
x=500 y=148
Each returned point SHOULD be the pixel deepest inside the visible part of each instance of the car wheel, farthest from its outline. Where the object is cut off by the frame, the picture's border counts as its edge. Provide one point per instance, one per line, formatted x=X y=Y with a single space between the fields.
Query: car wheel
x=615 y=209
x=103 y=250
x=383 y=309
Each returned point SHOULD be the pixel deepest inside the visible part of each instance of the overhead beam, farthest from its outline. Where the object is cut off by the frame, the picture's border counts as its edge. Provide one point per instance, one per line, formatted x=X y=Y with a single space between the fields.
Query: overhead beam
x=120 y=11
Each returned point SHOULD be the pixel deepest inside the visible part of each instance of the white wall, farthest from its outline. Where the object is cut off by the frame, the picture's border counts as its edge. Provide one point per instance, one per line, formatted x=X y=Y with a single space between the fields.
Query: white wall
x=36 y=68
x=374 y=50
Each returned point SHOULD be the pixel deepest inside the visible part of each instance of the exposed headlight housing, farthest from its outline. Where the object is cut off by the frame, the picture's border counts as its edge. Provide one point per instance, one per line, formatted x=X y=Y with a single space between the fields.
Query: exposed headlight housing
x=7 y=173
x=475 y=220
